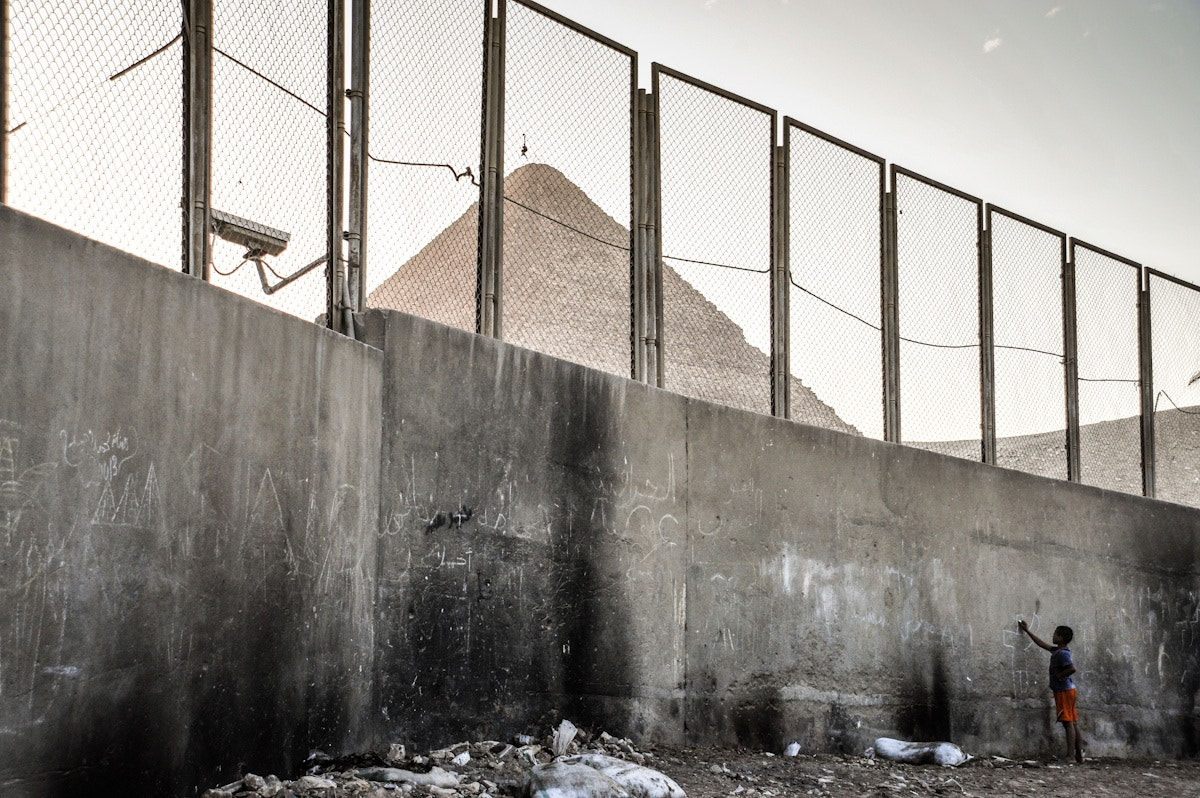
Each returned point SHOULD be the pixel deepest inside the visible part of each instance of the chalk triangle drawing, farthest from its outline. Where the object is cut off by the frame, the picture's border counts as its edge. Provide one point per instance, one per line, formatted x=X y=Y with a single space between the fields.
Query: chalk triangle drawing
x=106 y=508
x=266 y=509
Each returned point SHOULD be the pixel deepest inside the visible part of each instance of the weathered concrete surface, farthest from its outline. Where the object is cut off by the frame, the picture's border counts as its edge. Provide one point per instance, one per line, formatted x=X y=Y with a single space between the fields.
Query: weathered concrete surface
x=842 y=589
x=187 y=536
x=563 y=591
x=229 y=537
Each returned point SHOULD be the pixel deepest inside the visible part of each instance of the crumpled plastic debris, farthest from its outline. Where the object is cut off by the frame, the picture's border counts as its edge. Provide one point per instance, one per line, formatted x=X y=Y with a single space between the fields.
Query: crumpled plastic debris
x=938 y=753
x=639 y=780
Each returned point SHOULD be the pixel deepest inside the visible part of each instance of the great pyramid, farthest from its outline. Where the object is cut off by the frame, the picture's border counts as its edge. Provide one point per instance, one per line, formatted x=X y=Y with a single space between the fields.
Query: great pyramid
x=566 y=293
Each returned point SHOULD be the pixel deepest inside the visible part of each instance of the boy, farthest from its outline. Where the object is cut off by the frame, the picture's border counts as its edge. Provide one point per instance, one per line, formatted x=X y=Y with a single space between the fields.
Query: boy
x=1062 y=667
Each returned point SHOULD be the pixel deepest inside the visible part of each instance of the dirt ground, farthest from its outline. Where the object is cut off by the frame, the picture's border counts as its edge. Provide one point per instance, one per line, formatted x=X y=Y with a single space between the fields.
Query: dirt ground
x=500 y=770
x=707 y=774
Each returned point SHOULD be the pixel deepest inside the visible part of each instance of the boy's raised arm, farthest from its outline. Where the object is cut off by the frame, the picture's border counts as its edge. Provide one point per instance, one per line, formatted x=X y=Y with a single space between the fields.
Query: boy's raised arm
x=1024 y=627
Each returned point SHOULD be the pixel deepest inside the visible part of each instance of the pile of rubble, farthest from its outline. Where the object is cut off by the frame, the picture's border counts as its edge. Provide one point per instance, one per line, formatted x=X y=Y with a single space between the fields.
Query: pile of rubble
x=561 y=764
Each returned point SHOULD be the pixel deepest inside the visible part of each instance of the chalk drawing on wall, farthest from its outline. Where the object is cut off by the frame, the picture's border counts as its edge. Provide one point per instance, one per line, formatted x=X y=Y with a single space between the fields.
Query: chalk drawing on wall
x=20 y=485
x=128 y=496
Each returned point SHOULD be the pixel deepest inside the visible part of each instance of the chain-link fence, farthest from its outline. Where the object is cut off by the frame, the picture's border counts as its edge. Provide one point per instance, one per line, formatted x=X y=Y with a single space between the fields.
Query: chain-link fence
x=567 y=190
x=1106 y=319
x=717 y=157
x=836 y=262
x=269 y=146
x=1027 y=332
x=423 y=191
x=977 y=326
x=93 y=130
x=1174 y=309
x=937 y=265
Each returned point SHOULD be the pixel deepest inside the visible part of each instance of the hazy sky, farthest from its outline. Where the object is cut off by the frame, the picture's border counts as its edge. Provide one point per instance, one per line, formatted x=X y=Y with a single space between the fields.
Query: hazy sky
x=1080 y=114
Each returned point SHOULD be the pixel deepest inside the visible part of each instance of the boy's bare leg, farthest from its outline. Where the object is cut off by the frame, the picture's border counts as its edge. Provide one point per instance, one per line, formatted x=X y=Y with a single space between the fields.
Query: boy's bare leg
x=1074 y=744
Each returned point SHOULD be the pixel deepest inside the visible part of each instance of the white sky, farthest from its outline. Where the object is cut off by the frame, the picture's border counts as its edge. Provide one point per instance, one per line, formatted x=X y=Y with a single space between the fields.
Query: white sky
x=1083 y=115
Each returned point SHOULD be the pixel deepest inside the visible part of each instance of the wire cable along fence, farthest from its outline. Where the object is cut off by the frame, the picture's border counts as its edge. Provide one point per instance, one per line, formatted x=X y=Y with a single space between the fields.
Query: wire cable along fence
x=494 y=166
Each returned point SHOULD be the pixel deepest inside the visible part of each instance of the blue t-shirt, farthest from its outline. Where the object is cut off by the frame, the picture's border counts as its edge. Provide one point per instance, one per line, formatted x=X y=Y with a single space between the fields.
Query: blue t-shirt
x=1061 y=658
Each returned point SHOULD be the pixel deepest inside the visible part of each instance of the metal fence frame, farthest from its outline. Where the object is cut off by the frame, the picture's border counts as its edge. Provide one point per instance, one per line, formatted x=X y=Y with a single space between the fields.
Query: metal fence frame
x=777 y=298
x=784 y=260
x=983 y=287
x=1067 y=339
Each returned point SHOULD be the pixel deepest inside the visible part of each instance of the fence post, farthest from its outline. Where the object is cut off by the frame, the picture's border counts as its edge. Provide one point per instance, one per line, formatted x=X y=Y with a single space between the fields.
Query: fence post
x=3 y=101
x=359 y=94
x=335 y=131
x=646 y=279
x=640 y=224
x=987 y=342
x=655 y=329
x=890 y=317
x=1071 y=362
x=491 y=183
x=1146 y=384
x=198 y=119
x=780 y=278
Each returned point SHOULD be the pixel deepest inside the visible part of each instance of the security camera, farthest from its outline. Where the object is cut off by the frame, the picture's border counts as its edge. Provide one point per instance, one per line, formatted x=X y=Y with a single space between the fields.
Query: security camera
x=258 y=239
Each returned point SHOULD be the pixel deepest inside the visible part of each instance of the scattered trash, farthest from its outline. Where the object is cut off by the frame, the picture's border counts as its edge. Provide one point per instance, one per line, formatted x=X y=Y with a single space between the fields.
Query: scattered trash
x=560 y=779
x=563 y=736
x=793 y=749
x=435 y=777
x=639 y=780
x=942 y=753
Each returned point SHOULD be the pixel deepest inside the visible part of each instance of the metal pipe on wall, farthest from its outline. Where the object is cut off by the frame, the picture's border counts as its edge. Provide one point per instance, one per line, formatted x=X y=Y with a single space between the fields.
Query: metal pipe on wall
x=3 y=101
x=1070 y=363
x=198 y=131
x=987 y=351
x=655 y=329
x=360 y=106
x=1146 y=384
x=780 y=279
x=889 y=294
x=640 y=225
x=491 y=188
x=335 y=160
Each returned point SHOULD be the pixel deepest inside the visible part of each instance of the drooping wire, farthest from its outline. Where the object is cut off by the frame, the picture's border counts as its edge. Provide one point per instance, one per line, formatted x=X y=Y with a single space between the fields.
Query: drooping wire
x=88 y=89
x=467 y=172
x=1167 y=396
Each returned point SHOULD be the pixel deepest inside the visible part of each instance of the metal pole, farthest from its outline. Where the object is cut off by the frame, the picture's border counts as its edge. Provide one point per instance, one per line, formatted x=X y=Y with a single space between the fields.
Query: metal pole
x=1071 y=362
x=3 y=101
x=335 y=131
x=1146 y=384
x=198 y=104
x=890 y=313
x=655 y=328
x=780 y=282
x=359 y=94
x=987 y=342
x=491 y=191
x=637 y=277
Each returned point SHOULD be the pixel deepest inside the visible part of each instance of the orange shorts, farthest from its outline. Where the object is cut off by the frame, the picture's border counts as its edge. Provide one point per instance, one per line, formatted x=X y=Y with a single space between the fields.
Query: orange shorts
x=1064 y=704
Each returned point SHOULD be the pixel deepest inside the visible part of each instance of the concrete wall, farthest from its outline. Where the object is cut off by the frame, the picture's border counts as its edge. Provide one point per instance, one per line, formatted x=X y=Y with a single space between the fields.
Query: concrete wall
x=187 y=547
x=230 y=537
x=677 y=570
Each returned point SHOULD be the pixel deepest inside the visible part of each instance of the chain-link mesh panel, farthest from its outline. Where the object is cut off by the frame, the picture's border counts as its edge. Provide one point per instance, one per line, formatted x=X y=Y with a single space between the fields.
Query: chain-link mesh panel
x=423 y=195
x=1027 y=331
x=836 y=253
x=1175 y=341
x=1106 y=319
x=716 y=160
x=269 y=144
x=567 y=139
x=937 y=251
x=95 y=120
